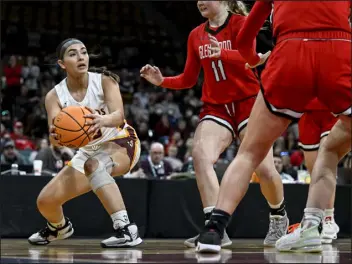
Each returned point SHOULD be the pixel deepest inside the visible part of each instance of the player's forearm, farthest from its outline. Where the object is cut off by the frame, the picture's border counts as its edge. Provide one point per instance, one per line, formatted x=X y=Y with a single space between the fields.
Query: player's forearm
x=250 y=29
x=178 y=82
x=114 y=119
x=230 y=56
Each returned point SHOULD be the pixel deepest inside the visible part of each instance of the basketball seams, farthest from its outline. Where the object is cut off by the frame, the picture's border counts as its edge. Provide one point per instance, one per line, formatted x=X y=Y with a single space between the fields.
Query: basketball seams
x=85 y=119
x=67 y=129
x=84 y=123
x=83 y=141
x=76 y=122
x=73 y=139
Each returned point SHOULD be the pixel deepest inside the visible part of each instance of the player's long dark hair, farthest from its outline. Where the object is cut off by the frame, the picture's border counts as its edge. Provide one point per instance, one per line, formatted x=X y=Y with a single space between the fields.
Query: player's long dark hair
x=237 y=7
x=102 y=70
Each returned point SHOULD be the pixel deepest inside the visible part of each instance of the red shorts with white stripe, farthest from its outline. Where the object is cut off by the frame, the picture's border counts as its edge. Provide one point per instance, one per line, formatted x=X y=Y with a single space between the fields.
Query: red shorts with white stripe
x=299 y=70
x=313 y=126
x=233 y=116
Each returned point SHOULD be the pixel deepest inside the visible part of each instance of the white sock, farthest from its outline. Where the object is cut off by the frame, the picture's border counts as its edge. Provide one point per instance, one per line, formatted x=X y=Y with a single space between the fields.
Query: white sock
x=329 y=214
x=120 y=219
x=58 y=225
x=276 y=206
x=208 y=209
x=312 y=216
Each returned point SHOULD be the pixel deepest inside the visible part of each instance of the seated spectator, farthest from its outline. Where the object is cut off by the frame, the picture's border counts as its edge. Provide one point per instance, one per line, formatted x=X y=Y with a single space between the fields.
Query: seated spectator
x=11 y=156
x=163 y=127
x=189 y=148
x=54 y=158
x=22 y=142
x=6 y=120
x=155 y=166
x=3 y=130
x=12 y=72
x=286 y=178
x=287 y=166
x=42 y=144
x=175 y=162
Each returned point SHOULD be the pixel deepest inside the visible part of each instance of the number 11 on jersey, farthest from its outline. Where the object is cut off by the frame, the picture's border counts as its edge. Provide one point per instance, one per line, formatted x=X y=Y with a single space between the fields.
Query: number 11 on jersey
x=217 y=67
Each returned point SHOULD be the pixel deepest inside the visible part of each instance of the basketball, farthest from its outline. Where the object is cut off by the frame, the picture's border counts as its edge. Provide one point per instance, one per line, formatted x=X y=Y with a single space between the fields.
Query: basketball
x=70 y=126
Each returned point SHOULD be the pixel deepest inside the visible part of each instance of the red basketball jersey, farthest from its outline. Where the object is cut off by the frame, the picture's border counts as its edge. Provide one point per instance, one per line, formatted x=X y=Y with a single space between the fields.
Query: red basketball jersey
x=225 y=78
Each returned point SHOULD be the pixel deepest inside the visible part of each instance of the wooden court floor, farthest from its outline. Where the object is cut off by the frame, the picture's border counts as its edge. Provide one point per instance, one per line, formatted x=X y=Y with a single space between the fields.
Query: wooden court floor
x=163 y=251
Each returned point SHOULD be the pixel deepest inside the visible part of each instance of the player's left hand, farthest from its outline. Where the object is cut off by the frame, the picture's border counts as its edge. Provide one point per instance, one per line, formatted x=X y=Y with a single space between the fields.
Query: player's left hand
x=263 y=58
x=96 y=122
x=215 y=47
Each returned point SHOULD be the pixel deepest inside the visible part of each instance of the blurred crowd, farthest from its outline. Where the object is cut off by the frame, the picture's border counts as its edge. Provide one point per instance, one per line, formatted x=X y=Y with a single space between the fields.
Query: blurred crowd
x=164 y=120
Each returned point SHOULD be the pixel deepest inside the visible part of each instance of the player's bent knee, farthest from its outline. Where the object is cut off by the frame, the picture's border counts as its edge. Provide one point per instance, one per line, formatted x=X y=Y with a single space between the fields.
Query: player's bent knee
x=45 y=200
x=98 y=169
x=90 y=166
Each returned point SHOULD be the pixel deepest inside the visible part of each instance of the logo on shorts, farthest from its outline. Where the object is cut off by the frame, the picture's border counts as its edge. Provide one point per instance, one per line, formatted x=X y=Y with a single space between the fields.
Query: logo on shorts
x=130 y=143
x=95 y=147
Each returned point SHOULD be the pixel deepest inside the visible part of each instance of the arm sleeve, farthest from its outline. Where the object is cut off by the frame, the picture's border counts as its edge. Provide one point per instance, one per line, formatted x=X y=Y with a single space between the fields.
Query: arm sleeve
x=230 y=55
x=251 y=27
x=190 y=73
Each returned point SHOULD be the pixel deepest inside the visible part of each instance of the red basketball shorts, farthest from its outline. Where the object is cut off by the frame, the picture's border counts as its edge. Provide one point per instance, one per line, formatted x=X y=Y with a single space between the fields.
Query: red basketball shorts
x=233 y=116
x=313 y=126
x=299 y=70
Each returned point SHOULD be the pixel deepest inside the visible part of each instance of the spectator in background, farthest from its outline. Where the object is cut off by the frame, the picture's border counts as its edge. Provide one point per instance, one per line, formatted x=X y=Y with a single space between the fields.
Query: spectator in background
x=4 y=139
x=3 y=130
x=25 y=103
x=189 y=148
x=30 y=73
x=54 y=158
x=163 y=127
x=6 y=120
x=182 y=128
x=13 y=76
x=291 y=141
x=287 y=166
x=175 y=162
x=286 y=178
x=22 y=142
x=155 y=166
x=142 y=95
x=10 y=155
x=139 y=113
x=177 y=140
x=42 y=144
x=145 y=135
x=170 y=106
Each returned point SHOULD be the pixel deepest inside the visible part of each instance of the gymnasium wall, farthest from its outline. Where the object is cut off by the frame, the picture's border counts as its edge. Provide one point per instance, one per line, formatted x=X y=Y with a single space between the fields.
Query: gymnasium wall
x=161 y=209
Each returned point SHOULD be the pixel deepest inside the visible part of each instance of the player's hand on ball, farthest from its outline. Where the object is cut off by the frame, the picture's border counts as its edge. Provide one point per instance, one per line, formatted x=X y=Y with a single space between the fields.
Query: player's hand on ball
x=54 y=138
x=96 y=122
x=152 y=74
x=215 y=47
x=263 y=58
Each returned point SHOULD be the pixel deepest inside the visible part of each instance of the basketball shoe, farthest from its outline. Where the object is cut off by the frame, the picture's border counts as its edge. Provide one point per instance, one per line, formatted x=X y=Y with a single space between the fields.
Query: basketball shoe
x=277 y=228
x=330 y=230
x=50 y=233
x=303 y=239
x=127 y=236
x=192 y=242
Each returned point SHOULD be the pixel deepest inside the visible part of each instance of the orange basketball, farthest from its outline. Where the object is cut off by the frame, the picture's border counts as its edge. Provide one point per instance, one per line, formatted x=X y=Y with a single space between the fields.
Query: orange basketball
x=70 y=126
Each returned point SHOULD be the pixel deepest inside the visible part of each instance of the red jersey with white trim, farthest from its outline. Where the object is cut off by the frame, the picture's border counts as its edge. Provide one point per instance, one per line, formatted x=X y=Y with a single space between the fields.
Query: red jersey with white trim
x=292 y=19
x=225 y=78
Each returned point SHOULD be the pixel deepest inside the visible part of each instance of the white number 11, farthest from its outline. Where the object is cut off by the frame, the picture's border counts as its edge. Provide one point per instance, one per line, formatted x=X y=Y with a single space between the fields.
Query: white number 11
x=217 y=77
